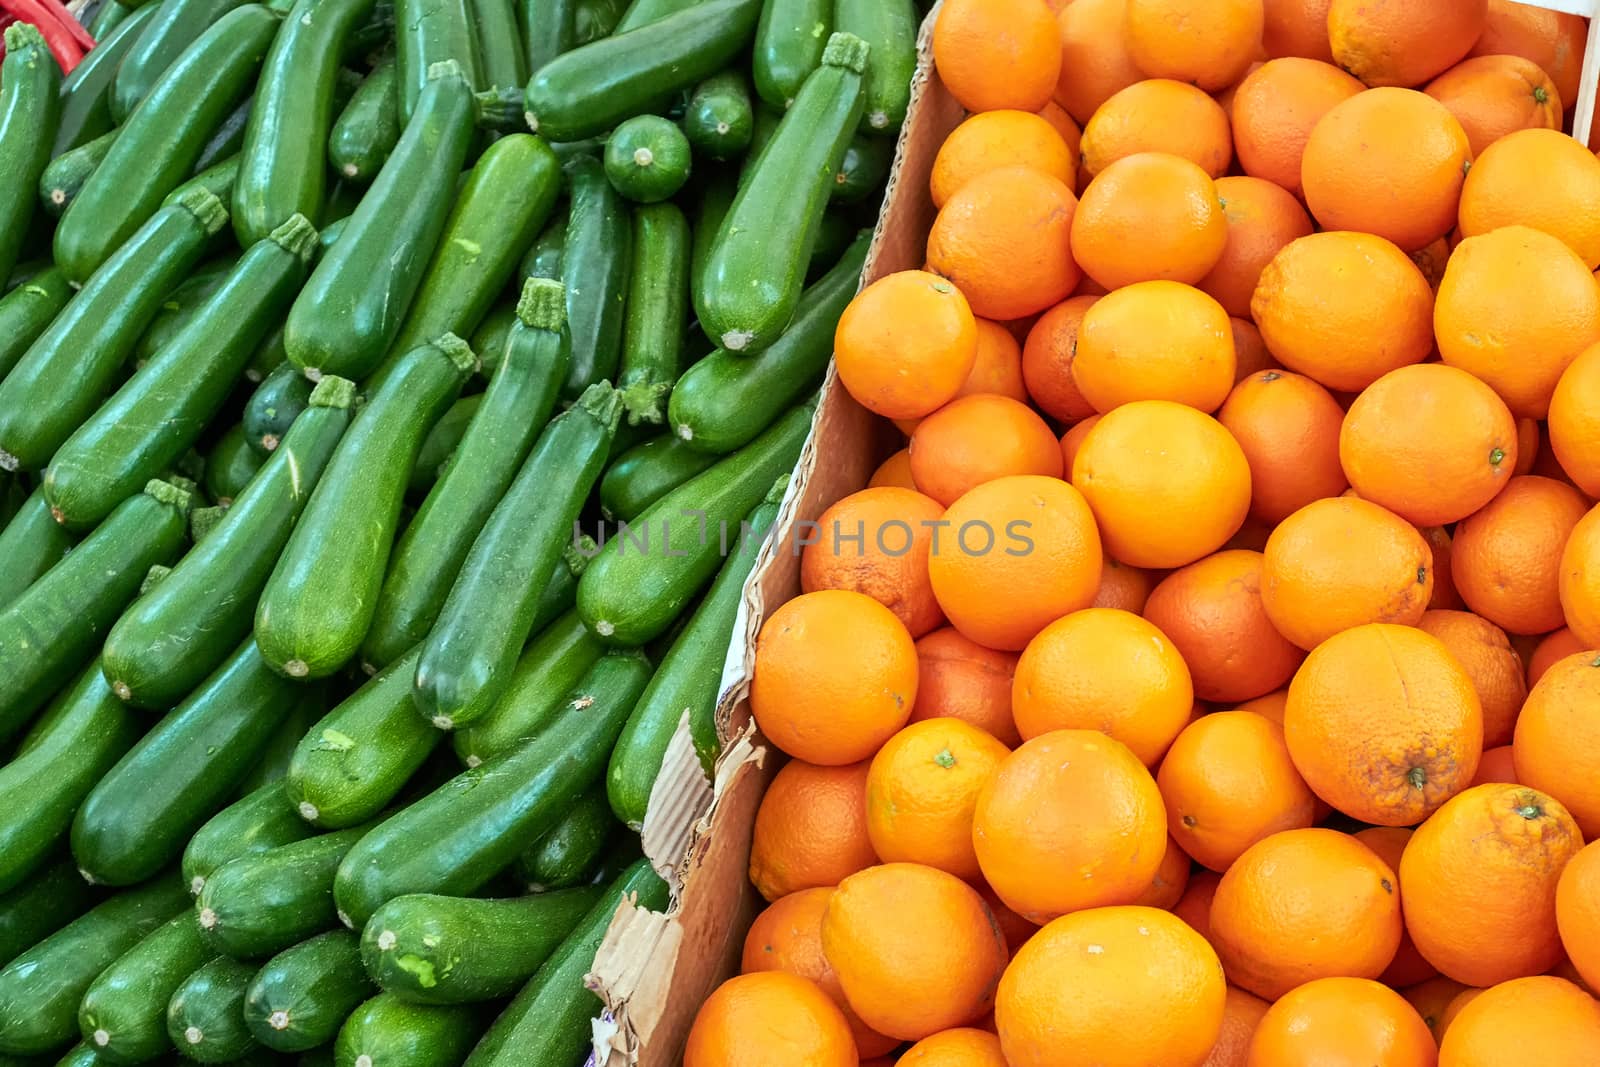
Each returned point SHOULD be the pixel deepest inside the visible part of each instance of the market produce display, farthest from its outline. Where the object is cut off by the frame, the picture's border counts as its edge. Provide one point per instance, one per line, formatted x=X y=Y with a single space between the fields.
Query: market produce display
x=1213 y=680
x=358 y=559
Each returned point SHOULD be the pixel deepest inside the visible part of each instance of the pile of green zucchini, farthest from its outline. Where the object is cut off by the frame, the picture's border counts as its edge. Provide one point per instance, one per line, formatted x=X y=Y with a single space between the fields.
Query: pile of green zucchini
x=393 y=403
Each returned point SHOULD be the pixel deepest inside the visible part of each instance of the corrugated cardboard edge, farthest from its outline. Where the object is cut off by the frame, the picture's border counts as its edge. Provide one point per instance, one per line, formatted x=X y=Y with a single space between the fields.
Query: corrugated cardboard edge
x=653 y=971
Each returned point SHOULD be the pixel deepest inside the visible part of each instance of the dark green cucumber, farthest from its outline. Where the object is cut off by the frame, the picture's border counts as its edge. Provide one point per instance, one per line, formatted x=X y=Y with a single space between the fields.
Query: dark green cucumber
x=67 y=372
x=352 y=307
x=274 y=765
x=643 y=12
x=489 y=339
x=454 y=840
x=123 y=1014
x=31 y=543
x=64 y=175
x=657 y=311
x=643 y=577
x=722 y=402
x=301 y=997
x=226 y=140
x=689 y=678
x=596 y=259
x=168 y=402
x=205 y=1017
x=283 y=161
x=548 y=1021
x=27 y=311
x=498 y=45
x=79 y=739
x=590 y=89
x=357 y=758
x=176 y=26
x=180 y=307
x=40 y=906
x=30 y=108
x=720 y=117
x=647 y=472
x=180 y=774
x=318 y=604
x=172 y=637
x=431 y=949
x=441 y=443
x=387 y=1030
x=470 y=655
x=50 y=630
x=515 y=408
x=216 y=179
x=274 y=406
x=429 y=32
x=595 y=19
x=547 y=29
x=570 y=852
x=230 y=465
x=544 y=258
x=369 y=126
x=647 y=158
x=86 y=92
x=263 y=902
x=161 y=142
x=757 y=266
x=863 y=169
x=890 y=29
x=716 y=197
x=253 y=824
x=40 y=989
x=789 y=44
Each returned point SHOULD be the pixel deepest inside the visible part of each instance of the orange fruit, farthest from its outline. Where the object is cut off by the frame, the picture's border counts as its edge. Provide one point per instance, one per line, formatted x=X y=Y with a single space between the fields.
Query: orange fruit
x=1194 y=907
x=1431 y=998
x=877 y=542
x=1003 y=239
x=1158 y=115
x=1095 y=63
x=997 y=367
x=1484 y=651
x=1400 y=43
x=1515 y=307
x=1288 y=427
x=1123 y=587
x=1506 y=558
x=1297 y=28
x=1429 y=442
x=1497 y=765
x=1016 y=929
x=1206 y=42
x=899 y=980
x=922 y=789
x=1320 y=296
x=1072 y=440
x=1430 y=260
x=770 y=1019
x=1557 y=743
x=1340 y=1021
x=993 y=139
x=1543 y=1020
x=1492 y=96
x=1211 y=610
x=1528 y=436
x=1554 y=647
x=1552 y=39
x=1047 y=357
x=1228 y=782
x=835 y=676
x=1241 y=1015
x=1384 y=724
x=1261 y=218
x=1343 y=562
x=1072 y=820
x=1117 y=987
x=894 y=472
x=1155 y=340
x=1151 y=460
x=961 y=1047
x=1107 y=670
x=1020 y=532
x=1249 y=350
x=1580 y=580
x=811 y=829
x=994 y=54
x=1480 y=878
x=1149 y=216
x=1408 y=967
x=1574 y=426
x=1172 y=878
x=1301 y=905
x=1540 y=178
x=1067 y=128
x=1275 y=109
x=1400 y=141
x=905 y=344
x=1457 y=1003
x=977 y=439
x=1578 y=912
x=959 y=678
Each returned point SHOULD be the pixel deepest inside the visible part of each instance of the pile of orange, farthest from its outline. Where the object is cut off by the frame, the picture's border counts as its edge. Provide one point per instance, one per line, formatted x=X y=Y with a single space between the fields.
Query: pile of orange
x=1214 y=681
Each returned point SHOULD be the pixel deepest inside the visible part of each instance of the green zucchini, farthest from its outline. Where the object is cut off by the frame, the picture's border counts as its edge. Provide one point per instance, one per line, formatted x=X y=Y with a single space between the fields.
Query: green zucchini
x=31 y=543
x=369 y=126
x=216 y=179
x=225 y=141
x=789 y=44
x=40 y=989
x=176 y=26
x=27 y=311
x=647 y=472
x=356 y=299
x=66 y=373
x=544 y=258
x=274 y=765
x=229 y=466
x=863 y=169
x=80 y=1055
x=263 y=902
x=141 y=814
x=180 y=306
x=595 y=19
x=251 y=825
x=387 y=1030
x=431 y=949
x=205 y=1017
x=548 y=1021
x=107 y=17
x=123 y=1014
x=86 y=92
x=720 y=117
x=590 y=89
x=766 y=124
x=161 y=142
x=570 y=852
x=657 y=310
x=643 y=12
x=429 y=32
x=647 y=159
x=643 y=577
x=318 y=604
x=79 y=739
x=270 y=355
x=757 y=265
x=40 y=906
x=168 y=402
x=716 y=197
x=515 y=408
x=722 y=402
x=283 y=161
x=64 y=175
x=461 y=835
x=548 y=29
x=489 y=339
x=51 y=629
x=441 y=443
x=299 y=999
x=30 y=108
x=469 y=656
x=890 y=29
x=358 y=757
x=596 y=259
x=274 y=406
x=169 y=640
x=498 y=47
x=839 y=230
